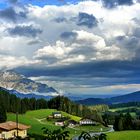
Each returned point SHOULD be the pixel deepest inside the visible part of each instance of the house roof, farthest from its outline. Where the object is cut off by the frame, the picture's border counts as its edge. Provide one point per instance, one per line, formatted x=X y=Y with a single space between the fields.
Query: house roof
x=60 y=120
x=86 y=119
x=56 y=113
x=13 y=125
x=72 y=121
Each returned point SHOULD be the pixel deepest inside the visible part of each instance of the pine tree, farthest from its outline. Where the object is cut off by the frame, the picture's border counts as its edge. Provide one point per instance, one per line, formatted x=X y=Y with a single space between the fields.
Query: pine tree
x=3 y=116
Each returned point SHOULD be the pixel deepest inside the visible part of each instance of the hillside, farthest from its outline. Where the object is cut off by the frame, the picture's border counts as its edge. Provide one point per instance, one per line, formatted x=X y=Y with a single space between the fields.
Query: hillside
x=92 y=101
x=37 y=120
x=131 y=97
x=34 y=119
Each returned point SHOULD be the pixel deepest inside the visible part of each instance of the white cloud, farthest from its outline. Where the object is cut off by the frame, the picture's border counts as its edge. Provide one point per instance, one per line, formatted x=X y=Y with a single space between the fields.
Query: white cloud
x=90 y=44
x=86 y=47
x=59 y=51
x=9 y=62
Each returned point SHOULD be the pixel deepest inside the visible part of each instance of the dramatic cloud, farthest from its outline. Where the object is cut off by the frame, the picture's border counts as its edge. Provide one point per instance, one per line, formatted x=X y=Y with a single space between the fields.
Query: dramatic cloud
x=88 y=44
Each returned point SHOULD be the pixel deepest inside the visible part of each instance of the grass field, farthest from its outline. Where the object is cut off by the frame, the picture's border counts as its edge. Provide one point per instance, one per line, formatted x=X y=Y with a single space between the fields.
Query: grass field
x=33 y=118
x=94 y=128
x=124 y=135
x=122 y=108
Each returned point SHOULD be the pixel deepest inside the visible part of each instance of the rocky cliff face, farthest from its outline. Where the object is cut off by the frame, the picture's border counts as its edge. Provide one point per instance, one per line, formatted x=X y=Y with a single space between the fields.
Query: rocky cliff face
x=11 y=80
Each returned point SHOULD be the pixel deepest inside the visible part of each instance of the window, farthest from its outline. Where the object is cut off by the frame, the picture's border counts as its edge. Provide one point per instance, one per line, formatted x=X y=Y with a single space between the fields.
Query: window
x=3 y=135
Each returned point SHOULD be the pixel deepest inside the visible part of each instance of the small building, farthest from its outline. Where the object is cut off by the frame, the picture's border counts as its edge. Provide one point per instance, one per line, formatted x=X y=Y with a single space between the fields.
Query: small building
x=72 y=123
x=9 y=130
x=87 y=122
x=57 y=115
x=60 y=123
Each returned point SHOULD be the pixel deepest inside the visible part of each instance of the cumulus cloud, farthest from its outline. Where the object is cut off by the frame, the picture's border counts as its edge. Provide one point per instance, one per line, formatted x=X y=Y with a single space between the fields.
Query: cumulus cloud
x=10 y=62
x=71 y=35
x=86 y=47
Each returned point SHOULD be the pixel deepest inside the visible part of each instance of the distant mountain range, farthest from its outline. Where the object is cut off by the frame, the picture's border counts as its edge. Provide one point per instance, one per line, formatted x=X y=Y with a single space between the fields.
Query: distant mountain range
x=131 y=97
x=24 y=87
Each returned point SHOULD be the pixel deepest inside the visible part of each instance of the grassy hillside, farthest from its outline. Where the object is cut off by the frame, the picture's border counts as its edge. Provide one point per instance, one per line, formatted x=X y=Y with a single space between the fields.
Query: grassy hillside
x=33 y=118
x=132 y=110
x=37 y=120
x=124 y=135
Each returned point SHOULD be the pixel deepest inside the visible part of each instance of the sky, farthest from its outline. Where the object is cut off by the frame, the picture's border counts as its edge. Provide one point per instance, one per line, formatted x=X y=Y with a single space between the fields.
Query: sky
x=87 y=47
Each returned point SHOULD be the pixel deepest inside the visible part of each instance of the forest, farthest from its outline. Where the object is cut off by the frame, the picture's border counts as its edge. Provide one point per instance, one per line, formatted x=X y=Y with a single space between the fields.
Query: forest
x=11 y=103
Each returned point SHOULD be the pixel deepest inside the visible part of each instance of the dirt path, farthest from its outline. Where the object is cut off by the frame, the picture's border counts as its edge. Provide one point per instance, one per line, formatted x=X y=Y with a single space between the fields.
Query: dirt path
x=40 y=120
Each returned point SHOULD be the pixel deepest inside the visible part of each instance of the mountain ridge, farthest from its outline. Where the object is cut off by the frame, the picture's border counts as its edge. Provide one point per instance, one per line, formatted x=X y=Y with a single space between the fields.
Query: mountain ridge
x=130 y=97
x=13 y=81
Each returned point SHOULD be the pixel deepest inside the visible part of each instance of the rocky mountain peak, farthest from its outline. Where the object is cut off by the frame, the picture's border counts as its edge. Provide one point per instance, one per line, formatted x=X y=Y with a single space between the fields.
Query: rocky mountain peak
x=12 y=80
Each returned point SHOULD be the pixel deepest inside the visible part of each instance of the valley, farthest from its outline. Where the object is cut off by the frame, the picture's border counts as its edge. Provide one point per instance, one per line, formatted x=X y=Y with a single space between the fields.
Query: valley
x=113 y=116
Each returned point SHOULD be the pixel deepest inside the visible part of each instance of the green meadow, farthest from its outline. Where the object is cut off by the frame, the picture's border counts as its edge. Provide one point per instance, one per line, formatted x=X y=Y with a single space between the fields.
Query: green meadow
x=34 y=119
x=124 y=135
x=37 y=120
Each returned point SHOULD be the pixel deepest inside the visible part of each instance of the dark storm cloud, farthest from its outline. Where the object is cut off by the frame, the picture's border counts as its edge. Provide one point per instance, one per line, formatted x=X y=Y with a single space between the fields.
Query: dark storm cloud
x=28 y=31
x=114 y=3
x=68 y=35
x=108 y=69
x=11 y=15
x=87 y=20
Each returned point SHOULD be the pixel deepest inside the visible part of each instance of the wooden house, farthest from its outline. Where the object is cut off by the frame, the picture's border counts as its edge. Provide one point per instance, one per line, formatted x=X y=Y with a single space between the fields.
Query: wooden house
x=57 y=115
x=87 y=122
x=60 y=123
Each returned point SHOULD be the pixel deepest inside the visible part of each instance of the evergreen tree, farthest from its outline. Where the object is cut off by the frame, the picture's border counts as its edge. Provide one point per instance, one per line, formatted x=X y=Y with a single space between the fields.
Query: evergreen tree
x=3 y=116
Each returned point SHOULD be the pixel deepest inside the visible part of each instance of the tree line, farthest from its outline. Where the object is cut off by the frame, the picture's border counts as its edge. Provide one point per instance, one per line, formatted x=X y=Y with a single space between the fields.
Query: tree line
x=129 y=104
x=11 y=103
x=126 y=122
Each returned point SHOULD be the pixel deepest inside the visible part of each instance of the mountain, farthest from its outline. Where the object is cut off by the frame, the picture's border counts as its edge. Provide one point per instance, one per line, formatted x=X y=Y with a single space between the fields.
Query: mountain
x=131 y=97
x=92 y=101
x=13 y=81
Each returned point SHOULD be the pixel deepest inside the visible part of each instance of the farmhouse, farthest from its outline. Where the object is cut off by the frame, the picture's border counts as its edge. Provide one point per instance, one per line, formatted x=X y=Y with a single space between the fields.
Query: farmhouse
x=72 y=123
x=57 y=115
x=8 y=130
x=60 y=123
x=87 y=122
